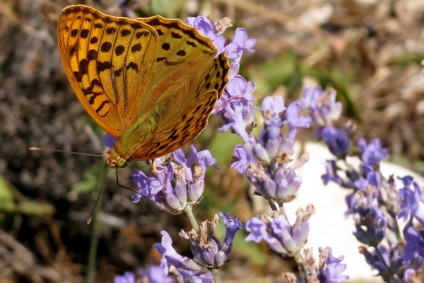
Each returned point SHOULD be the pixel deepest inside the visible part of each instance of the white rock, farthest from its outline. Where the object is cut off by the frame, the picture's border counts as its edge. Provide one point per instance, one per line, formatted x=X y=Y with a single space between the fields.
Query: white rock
x=329 y=226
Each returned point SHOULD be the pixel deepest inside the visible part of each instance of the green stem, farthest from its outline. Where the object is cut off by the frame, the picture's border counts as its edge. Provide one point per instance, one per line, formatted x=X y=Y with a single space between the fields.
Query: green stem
x=190 y=215
x=94 y=240
x=216 y=276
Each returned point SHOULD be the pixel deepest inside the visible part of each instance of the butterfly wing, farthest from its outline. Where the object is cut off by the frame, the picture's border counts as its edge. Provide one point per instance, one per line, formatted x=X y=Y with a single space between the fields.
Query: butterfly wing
x=104 y=58
x=151 y=82
x=192 y=118
x=184 y=89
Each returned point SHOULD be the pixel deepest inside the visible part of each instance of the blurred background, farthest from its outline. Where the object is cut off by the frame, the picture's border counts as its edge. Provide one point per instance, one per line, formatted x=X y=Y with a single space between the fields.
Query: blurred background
x=368 y=50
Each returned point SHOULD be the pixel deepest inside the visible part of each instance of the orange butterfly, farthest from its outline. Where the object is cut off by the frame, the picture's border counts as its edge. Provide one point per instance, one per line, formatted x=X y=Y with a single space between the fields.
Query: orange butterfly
x=150 y=82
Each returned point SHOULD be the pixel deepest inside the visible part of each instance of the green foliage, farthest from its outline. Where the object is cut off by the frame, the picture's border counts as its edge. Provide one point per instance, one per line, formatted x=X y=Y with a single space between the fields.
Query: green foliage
x=284 y=70
x=6 y=197
x=11 y=201
x=289 y=71
x=89 y=182
x=166 y=8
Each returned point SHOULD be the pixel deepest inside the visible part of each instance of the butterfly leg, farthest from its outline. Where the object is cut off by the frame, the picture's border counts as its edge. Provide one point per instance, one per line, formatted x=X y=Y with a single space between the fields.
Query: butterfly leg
x=155 y=169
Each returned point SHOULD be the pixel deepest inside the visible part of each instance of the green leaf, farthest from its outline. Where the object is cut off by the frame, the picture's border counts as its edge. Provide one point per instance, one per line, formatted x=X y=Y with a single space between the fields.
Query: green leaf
x=6 y=197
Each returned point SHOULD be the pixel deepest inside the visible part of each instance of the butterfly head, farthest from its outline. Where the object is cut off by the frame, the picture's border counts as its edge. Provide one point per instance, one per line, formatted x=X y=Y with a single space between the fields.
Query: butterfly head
x=115 y=160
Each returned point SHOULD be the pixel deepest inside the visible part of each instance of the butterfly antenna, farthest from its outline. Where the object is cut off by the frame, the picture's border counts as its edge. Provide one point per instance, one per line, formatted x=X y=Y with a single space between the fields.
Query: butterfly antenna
x=88 y=221
x=63 y=151
x=124 y=187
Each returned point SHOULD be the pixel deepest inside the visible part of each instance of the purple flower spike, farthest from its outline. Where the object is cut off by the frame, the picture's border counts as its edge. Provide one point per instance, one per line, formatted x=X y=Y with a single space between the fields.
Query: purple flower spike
x=336 y=139
x=240 y=42
x=179 y=185
x=238 y=89
x=241 y=159
x=373 y=153
x=234 y=118
x=272 y=110
x=235 y=106
x=280 y=235
x=154 y=274
x=386 y=261
x=206 y=248
x=231 y=228
x=414 y=238
x=410 y=200
x=257 y=229
x=369 y=220
x=171 y=257
x=265 y=160
x=331 y=271
x=128 y=277
x=295 y=121
x=204 y=26
x=150 y=187
x=322 y=105
x=331 y=173
x=371 y=178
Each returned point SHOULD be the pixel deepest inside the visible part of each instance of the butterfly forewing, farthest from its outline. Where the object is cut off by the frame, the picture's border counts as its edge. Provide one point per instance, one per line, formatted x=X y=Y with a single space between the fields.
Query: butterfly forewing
x=103 y=58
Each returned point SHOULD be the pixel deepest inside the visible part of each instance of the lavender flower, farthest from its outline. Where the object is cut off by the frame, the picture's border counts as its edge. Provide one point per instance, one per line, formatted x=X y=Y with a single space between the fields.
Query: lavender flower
x=410 y=200
x=204 y=26
x=372 y=153
x=235 y=106
x=386 y=261
x=170 y=257
x=369 y=177
x=208 y=251
x=280 y=235
x=265 y=160
x=242 y=159
x=375 y=201
x=240 y=42
x=234 y=50
x=336 y=139
x=414 y=247
x=331 y=268
x=206 y=248
x=154 y=274
x=179 y=185
x=128 y=277
x=369 y=220
x=332 y=174
x=322 y=106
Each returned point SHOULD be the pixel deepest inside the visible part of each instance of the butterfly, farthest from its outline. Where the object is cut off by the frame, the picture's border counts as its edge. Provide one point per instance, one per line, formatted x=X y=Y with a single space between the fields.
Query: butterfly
x=150 y=82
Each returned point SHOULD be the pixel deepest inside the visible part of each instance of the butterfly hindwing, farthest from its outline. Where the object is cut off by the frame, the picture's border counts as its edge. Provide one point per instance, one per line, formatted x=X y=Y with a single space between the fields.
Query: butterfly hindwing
x=191 y=119
x=186 y=127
